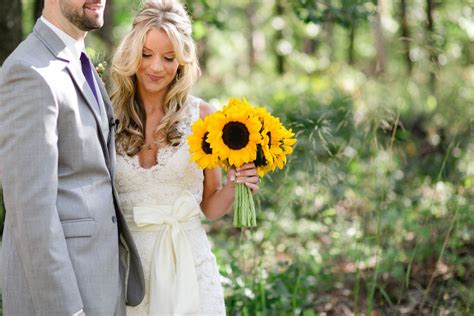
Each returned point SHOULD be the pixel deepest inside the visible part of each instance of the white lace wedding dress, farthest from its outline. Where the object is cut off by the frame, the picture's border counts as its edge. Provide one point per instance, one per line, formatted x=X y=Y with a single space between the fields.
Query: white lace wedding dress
x=161 y=185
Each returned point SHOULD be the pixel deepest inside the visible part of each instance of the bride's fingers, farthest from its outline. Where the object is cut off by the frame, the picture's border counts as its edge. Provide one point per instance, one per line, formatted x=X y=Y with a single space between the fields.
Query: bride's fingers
x=252 y=187
x=255 y=179
x=246 y=172
x=246 y=166
x=231 y=175
x=252 y=179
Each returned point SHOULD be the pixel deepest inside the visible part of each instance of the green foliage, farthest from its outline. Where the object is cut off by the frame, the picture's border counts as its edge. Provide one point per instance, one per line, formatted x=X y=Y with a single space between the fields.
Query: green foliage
x=204 y=13
x=373 y=212
x=343 y=12
x=372 y=209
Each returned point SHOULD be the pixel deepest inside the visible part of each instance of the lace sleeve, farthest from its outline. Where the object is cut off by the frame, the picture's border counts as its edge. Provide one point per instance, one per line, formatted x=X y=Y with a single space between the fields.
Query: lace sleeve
x=192 y=114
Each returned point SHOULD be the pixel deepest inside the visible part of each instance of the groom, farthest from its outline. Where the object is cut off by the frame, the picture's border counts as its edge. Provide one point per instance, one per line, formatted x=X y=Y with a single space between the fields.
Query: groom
x=66 y=249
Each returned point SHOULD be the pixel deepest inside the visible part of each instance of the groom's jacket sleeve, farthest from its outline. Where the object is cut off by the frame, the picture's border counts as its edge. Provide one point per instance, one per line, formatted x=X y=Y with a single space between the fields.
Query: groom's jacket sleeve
x=29 y=167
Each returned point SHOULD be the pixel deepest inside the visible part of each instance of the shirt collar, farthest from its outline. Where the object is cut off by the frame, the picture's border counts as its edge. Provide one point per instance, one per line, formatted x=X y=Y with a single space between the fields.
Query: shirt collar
x=75 y=46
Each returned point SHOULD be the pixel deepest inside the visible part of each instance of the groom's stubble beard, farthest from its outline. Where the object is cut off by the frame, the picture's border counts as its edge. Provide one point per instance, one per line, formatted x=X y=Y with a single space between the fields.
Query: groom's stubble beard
x=78 y=17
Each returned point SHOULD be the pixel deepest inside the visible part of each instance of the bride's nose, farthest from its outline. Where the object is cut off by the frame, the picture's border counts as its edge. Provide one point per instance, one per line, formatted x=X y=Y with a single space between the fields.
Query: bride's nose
x=157 y=65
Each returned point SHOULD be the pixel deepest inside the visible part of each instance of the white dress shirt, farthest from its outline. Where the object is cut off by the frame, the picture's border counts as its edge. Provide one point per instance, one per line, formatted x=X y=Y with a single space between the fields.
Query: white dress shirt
x=76 y=47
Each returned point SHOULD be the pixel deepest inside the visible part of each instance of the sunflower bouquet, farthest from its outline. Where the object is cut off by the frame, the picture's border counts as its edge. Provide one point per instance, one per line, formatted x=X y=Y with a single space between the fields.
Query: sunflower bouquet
x=241 y=133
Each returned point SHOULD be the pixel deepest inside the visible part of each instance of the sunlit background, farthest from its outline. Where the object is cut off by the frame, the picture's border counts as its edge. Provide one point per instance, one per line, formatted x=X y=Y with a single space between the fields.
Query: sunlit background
x=373 y=214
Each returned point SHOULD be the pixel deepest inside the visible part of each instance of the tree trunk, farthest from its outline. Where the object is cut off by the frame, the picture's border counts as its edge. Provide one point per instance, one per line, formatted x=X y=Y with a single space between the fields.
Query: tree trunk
x=105 y=33
x=250 y=11
x=203 y=52
x=10 y=27
x=38 y=9
x=406 y=38
x=280 y=59
x=379 y=40
x=350 y=53
x=329 y=37
x=431 y=44
x=309 y=46
x=469 y=53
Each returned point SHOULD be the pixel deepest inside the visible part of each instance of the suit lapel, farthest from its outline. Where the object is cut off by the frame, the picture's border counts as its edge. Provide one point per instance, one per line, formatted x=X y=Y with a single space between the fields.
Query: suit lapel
x=110 y=144
x=59 y=50
x=83 y=87
x=86 y=91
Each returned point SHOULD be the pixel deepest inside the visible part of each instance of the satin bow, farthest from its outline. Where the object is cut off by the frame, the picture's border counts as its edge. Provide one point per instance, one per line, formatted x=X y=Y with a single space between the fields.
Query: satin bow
x=173 y=281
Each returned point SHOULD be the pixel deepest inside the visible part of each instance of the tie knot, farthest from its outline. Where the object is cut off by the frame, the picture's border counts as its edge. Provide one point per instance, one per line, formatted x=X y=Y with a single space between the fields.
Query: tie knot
x=84 y=57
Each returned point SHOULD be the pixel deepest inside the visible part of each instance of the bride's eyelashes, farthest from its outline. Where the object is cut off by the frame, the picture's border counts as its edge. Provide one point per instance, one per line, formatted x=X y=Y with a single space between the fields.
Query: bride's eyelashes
x=166 y=58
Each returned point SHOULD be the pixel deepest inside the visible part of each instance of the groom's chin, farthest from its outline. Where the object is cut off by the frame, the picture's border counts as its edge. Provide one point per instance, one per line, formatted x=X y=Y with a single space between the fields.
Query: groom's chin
x=91 y=21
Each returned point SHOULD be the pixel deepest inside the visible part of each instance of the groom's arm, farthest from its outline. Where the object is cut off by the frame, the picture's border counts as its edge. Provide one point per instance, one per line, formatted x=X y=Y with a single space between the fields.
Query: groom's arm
x=29 y=162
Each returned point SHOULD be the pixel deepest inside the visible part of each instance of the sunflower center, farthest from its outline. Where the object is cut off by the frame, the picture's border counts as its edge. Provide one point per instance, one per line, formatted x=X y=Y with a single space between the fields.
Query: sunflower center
x=235 y=135
x=206 y=147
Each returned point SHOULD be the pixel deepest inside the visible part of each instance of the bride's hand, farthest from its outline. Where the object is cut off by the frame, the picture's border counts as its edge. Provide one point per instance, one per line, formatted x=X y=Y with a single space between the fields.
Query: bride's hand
x=246 y=174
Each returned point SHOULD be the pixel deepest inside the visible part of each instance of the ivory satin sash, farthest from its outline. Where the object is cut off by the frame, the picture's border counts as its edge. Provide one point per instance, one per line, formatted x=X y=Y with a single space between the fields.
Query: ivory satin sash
x=173 y=281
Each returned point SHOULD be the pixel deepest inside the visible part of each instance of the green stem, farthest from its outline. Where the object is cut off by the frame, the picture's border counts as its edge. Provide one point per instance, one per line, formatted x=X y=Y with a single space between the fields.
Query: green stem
x=244 y=207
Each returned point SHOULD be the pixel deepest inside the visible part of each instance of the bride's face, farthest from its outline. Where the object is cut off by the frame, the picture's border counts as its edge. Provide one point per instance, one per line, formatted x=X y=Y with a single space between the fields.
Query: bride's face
x=158 y=65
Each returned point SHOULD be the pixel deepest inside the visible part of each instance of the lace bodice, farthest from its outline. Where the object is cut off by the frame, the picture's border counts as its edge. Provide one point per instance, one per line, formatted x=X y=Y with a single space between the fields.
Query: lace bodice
x=161 y=183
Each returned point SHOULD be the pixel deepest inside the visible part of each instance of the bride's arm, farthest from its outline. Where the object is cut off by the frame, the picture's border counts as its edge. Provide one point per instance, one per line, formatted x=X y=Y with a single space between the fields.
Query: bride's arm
x=216 y=198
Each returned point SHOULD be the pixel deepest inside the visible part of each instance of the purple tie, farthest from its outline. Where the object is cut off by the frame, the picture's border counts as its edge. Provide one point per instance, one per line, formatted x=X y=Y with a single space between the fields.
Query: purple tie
x=87 y=71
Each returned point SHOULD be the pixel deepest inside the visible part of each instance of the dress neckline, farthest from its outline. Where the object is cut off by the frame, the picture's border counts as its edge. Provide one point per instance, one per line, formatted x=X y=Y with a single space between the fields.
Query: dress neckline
x=170 y=151
x=163 y=156
x=166 y=153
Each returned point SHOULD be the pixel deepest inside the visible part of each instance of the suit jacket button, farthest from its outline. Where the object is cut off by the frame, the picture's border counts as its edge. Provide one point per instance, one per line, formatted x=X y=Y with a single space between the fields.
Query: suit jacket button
x=114 y=219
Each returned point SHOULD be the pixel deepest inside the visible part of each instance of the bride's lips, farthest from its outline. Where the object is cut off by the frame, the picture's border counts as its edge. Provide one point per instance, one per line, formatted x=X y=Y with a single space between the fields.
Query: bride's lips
x=155 y=78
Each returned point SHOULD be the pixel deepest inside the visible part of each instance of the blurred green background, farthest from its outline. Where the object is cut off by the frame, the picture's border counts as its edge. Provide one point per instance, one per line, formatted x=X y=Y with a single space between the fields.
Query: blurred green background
x=373 y=215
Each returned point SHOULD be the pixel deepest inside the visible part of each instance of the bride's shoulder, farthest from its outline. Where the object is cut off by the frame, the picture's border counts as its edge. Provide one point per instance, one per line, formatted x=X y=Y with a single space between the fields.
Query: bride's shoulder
x=205 y=109
x=200 y=107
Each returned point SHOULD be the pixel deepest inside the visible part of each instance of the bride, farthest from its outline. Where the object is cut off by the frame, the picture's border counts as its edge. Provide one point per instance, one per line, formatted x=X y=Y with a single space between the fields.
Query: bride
x=161 y=192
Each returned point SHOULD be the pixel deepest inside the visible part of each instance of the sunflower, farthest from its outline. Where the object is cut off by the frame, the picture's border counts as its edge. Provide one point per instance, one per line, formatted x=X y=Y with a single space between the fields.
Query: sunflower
x=265 y=157
x=238 y=134
x=199 y=147
x=234 y=133
x=285 y=142
x=288 y=141
x=276 y=143
x=231 y=103
x=262 y=162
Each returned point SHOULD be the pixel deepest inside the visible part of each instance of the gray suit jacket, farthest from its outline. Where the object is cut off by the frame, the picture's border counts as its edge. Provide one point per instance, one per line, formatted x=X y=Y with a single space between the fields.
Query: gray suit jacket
x=66 y=245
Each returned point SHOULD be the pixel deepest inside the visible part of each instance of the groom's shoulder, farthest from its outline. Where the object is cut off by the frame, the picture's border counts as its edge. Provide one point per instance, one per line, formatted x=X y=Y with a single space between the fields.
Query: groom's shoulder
x=31 y=52
x=33 y=59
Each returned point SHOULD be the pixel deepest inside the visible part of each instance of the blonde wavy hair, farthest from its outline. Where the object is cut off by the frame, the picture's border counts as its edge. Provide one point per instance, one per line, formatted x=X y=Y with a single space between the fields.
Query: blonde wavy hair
x=170 y=16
